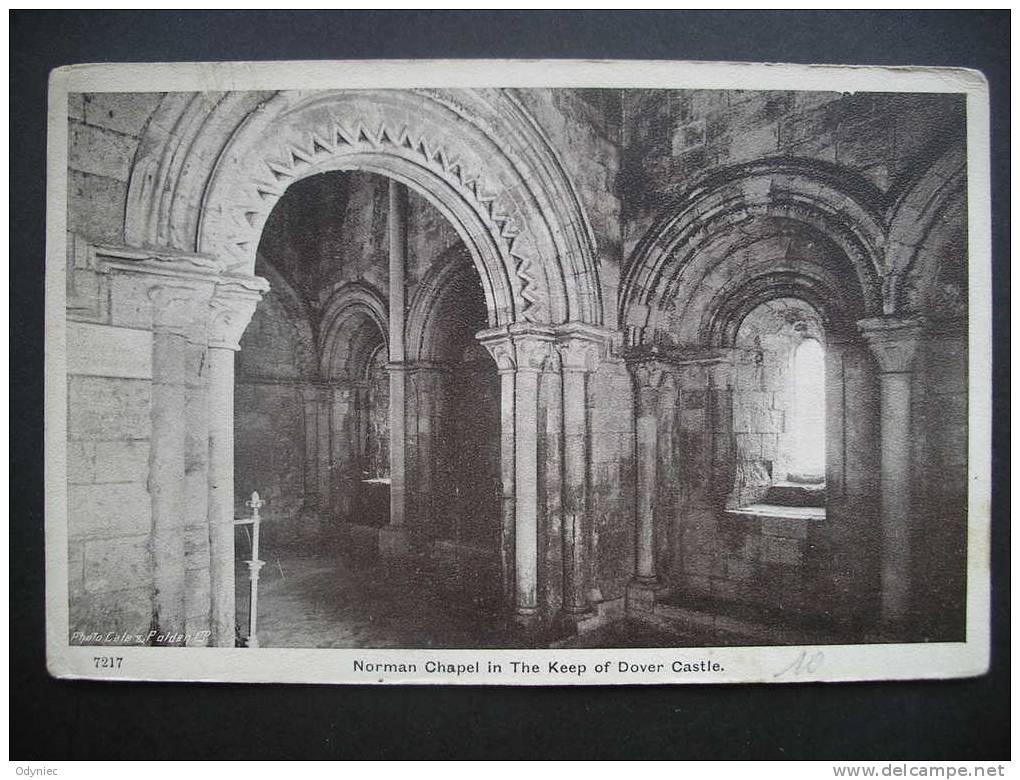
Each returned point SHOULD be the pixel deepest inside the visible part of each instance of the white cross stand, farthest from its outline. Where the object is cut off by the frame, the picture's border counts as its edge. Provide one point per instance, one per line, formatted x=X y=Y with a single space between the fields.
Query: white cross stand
x=255 y=503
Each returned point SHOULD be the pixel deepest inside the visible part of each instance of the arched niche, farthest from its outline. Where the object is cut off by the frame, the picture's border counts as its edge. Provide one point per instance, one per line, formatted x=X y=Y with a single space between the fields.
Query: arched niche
x=353 y=352
x=451 y=282
x=352 y=327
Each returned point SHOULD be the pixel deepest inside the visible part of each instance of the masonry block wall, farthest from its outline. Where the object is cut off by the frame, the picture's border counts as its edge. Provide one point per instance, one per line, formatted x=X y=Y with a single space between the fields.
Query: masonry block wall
x=109 y=399
x=612 y=476
x=276 y=371
x=672 y=138
x=108 y=468
x=587 y=125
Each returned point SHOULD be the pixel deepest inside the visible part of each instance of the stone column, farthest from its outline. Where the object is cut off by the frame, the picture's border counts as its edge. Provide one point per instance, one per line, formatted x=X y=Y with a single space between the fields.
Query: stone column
x=232 y=307
x=532 y=349
x=647 y=376
x=579 y=352
x=176 y=310
x=323 y=416
x=527 y=348
x=312 y=499
x=196 y=475
x=341 y=449
x=894 y=342
x=502 y=353
x=393 y=539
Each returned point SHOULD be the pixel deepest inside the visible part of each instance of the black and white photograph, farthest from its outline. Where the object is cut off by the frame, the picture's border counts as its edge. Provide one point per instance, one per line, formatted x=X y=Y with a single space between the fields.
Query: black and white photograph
x=678 y=369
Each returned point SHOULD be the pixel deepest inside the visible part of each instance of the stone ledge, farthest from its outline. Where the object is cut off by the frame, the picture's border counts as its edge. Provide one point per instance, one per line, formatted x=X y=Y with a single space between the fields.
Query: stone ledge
x=777 y=512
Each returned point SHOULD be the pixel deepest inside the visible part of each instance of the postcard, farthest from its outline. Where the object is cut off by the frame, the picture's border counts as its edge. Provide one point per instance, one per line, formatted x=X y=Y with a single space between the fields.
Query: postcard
x=517 y=372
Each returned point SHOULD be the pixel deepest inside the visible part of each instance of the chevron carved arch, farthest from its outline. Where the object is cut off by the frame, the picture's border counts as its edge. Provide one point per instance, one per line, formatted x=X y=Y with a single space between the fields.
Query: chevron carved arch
x=523 y=244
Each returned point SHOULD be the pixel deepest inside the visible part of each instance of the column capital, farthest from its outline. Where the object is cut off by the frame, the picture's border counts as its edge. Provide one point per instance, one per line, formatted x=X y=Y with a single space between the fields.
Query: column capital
x=893 y=341
x=231 y=309
x=519 y=347
x=648 y=374
x=581 y=346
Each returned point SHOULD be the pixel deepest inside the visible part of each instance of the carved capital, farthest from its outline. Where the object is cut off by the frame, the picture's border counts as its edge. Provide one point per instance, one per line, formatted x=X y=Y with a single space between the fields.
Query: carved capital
x=893 y=341
x=579 y=355
x=648 y=376
x=519 y=347
x=231 y=309
x=582 y=347
x=502 y=350
x=533 y=351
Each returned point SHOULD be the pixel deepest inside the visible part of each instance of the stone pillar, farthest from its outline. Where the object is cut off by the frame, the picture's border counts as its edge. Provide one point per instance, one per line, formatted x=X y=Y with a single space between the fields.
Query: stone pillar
x=312 y=497
x=501 y=349
x=532 y=351
x=580 y=351
x=647 y=376
x=323 y=415
x=176 y=310
x=196 y=474
x=232 y=307
x=527 y=348
x=393 y=538
x=342 y=408
x=894 y=342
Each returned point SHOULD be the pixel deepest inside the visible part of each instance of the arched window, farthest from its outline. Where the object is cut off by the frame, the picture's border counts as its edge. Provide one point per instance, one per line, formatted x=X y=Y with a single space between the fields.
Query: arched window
x=807 y=414
x=778 y=401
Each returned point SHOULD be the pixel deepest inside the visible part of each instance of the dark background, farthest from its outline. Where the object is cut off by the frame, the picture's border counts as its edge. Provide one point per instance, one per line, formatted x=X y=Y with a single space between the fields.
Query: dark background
x=966 y=719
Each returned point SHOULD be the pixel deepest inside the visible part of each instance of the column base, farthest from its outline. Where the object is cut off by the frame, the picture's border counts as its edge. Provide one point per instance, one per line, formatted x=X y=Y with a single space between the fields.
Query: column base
x=641 y=594
x=393 y=541
x=527 y=617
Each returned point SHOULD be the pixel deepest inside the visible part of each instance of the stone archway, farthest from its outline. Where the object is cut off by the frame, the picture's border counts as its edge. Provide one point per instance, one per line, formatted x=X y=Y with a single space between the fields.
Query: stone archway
x=209 y=183
x=915 y=221
x=835 y=205
x=211 y=167
x=748 y=235
x=353 y=327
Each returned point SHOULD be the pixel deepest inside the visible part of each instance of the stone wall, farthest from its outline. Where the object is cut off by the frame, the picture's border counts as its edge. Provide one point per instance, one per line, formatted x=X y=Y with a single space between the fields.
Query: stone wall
x=276 y=370
x=612 y=480
x=109 y=513
x=584 y=128
x=674 y=138
x=103 y=136
x=940 y=498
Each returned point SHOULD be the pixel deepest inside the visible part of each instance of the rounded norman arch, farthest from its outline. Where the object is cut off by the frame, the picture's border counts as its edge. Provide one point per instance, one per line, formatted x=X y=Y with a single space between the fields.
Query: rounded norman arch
x=353 y=327
x=437 y=289
x=721 y=323
x=824 y=203
x=926 y=208
x=211 y=168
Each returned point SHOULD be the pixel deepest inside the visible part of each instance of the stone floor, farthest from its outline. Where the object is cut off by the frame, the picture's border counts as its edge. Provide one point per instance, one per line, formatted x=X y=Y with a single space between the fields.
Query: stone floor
x=327 y=598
